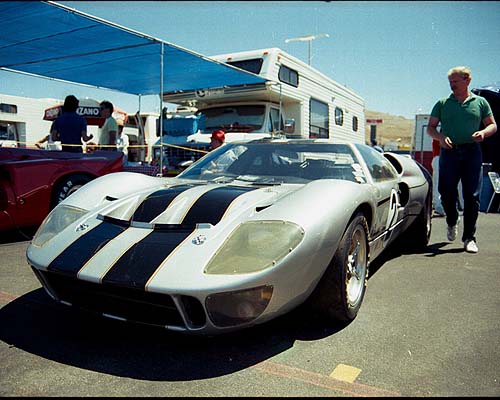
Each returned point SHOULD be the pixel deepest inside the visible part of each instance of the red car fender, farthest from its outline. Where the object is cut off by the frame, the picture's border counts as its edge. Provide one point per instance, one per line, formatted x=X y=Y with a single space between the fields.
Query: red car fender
x=28 y=179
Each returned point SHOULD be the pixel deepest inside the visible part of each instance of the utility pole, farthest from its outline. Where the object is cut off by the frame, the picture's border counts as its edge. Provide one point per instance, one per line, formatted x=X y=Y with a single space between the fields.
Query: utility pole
x=308 y=38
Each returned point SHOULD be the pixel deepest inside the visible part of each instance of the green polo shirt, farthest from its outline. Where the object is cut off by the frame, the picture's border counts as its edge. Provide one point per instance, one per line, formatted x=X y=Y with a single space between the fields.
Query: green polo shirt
x=460 y=120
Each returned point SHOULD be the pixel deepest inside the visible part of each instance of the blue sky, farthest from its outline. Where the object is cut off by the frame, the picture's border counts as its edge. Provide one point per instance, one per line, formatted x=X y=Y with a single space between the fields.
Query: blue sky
x=394 y=54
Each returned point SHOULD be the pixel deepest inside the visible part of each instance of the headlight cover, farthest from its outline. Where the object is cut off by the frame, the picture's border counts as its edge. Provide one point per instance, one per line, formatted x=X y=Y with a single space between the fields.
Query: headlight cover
x=238 y=307
x=254 y=246
x=61 y=217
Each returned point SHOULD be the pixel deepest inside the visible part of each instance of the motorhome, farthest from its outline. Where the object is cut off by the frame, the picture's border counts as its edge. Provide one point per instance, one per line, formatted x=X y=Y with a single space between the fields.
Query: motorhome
x=21 y=120
x=296 y=100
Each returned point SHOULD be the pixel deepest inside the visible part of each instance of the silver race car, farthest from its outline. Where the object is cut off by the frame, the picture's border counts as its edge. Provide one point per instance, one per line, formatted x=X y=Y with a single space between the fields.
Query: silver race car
x=245 y=234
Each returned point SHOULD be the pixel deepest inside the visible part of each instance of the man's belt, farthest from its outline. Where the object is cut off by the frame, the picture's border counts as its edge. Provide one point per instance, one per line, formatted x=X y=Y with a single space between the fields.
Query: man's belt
x=462 y=145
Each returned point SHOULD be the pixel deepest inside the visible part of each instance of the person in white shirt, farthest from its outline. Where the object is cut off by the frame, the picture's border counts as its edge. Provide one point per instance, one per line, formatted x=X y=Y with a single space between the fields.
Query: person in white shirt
x=122 y=141
x=109 y=131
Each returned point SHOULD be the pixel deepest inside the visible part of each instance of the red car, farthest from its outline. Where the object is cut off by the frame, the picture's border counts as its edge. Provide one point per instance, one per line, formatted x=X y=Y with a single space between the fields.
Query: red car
x=32 y=181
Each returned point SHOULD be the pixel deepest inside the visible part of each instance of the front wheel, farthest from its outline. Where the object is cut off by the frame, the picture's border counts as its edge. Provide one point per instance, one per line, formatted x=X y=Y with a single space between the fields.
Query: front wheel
x=340 y=292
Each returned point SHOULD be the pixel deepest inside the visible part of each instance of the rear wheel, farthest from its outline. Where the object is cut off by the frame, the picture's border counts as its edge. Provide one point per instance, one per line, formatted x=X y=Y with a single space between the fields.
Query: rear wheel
x=67 y=186
x=340 y=292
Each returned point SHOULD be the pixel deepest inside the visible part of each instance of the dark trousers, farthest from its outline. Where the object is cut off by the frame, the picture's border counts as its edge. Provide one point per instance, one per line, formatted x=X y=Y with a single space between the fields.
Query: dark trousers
x=464 y=162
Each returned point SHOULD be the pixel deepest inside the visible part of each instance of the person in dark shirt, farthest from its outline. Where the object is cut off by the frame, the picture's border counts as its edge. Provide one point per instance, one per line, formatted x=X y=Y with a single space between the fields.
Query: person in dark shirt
x=70 y=128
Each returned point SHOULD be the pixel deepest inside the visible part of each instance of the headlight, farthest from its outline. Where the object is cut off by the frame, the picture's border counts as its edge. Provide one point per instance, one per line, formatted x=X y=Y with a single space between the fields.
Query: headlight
x=238 y=307
x=61 y=217
x=254 y=246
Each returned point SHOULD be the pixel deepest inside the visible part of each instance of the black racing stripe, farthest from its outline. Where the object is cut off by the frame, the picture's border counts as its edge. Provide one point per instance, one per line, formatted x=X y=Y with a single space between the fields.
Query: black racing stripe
x=157 y=202
x=137 y=265
x=210 y=207
x=74 y=257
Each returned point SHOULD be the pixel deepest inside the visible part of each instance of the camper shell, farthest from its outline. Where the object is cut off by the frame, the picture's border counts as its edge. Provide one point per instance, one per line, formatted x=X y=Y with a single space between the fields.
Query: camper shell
x=295 y=100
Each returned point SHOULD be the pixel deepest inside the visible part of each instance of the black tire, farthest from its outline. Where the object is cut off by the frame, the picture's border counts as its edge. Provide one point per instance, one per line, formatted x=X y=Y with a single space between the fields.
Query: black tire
x=341 y=290
x=67 y=186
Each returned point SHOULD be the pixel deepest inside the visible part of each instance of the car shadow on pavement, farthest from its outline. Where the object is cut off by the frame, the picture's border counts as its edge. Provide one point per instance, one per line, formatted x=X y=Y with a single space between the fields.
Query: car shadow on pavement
x=398 y=249
x=36 y=324
x=17 y=235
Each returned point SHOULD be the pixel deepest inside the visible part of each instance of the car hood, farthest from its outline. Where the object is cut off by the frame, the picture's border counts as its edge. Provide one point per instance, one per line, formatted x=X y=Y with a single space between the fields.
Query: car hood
x=162 y=235
x=188 y=204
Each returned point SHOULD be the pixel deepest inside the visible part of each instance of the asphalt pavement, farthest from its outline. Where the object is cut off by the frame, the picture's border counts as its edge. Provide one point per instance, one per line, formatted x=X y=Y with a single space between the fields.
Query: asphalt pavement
x=429 y=326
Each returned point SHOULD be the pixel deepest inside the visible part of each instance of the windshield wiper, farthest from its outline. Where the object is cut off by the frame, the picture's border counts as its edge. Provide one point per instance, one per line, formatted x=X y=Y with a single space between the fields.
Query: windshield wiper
x=223 y=179
x=267 y=183
x=261 y=181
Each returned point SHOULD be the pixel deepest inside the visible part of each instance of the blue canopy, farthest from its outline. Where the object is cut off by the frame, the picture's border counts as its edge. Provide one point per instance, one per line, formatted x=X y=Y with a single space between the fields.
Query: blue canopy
x=50 y=40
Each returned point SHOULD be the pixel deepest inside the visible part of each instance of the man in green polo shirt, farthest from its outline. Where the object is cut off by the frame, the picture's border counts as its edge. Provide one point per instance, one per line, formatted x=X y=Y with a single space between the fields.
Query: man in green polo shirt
x=461 y=115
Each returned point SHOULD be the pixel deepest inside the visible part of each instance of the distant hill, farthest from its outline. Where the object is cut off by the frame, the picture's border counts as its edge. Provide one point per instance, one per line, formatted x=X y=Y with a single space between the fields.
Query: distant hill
x=394 y=128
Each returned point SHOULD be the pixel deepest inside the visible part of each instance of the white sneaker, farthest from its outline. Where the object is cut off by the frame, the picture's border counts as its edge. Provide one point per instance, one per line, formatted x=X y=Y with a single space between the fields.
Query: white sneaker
x=470 y=246
x=452 y=231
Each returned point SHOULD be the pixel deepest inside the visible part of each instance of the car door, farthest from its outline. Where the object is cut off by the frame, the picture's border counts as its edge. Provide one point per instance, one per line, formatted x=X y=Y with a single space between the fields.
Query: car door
x=386 y=183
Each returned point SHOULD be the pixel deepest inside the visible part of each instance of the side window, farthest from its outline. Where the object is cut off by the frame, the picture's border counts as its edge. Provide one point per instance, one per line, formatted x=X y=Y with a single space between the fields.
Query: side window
x=318 y=119
x=7 y=131
x=253 y=65
x=339 y=116
x=380 y=168
x=288 y=75
x=275 y=120
x=355 y=124
x=8 y=108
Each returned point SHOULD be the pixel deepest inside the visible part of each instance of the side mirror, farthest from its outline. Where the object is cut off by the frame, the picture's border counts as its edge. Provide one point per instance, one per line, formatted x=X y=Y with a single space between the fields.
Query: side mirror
x=290 y=126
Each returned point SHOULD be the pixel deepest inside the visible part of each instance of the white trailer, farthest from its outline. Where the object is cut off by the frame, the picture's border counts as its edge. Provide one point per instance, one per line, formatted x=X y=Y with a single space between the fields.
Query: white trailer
x=143 y=132
x=22 y=123
x=297 y=100
x=21 y=120
x=422 y=142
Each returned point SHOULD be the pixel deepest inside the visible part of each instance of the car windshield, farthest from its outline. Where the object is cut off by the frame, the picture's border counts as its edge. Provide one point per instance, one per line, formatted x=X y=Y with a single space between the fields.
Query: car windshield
x=243 y=118
x=276 y=163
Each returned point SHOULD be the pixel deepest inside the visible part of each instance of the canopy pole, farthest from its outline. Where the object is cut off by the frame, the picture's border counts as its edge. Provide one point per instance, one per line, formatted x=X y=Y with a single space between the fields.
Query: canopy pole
x=140 y=129
x=280 y=128
x=161 y=109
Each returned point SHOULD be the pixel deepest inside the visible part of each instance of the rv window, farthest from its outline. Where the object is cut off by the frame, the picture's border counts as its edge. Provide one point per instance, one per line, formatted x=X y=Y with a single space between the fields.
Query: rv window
x=7 y=131
x=8 y=108
x=234 y=118
x=289 y=76
x=253 y=65
x=339 y=116
x=131 y=122
x=355 y=124
x=275 y=120
x=318 y=126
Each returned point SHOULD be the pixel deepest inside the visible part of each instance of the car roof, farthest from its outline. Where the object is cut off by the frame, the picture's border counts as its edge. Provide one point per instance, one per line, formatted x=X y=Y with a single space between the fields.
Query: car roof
x=277 y=140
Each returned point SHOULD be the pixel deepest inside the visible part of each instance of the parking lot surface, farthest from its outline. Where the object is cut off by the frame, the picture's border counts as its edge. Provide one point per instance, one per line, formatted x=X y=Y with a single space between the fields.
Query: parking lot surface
x=429 y=326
